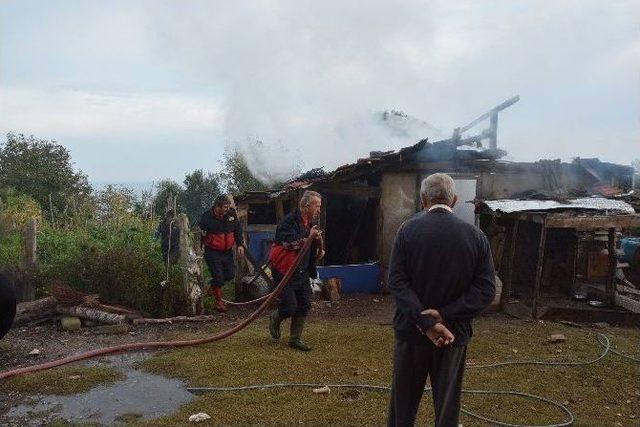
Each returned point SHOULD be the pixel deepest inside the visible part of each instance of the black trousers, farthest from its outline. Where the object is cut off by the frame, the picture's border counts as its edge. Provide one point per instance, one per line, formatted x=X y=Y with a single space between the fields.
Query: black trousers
x=295 y=299
x=221 y=266
x=416 y=358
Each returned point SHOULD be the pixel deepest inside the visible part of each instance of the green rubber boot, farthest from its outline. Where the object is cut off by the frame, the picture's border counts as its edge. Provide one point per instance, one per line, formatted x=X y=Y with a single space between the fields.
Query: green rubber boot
x=274 y=324
x=297 y=325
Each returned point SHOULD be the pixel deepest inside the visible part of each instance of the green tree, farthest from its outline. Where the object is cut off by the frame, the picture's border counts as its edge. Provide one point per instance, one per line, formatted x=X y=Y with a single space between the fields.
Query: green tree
x=199 y=193
x=163 y=200
x=40 y=168
x=236 y=175
x=115 y=203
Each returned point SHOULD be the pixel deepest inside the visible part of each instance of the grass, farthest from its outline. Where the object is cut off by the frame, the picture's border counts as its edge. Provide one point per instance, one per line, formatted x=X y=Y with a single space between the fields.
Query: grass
x=605 y=393
x=63 y=381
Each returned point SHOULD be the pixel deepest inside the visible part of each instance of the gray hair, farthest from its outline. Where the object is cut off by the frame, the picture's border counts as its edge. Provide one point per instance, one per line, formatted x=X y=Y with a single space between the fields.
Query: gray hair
x=438 y=188
x=307 y=196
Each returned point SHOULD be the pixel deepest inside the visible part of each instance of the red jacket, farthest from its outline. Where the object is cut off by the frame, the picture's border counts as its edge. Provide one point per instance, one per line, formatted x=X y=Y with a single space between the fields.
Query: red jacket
x=221 y=233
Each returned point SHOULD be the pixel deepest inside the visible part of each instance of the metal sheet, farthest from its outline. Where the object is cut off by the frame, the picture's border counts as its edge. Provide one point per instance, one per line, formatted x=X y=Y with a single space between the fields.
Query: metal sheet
x=586 y=203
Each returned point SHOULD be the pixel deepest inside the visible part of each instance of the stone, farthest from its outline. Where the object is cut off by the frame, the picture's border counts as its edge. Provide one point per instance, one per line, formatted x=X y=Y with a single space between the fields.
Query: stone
x=200 y=416
x=34 y=352
x=322 y=390
x=70 y=323
x=556 y=338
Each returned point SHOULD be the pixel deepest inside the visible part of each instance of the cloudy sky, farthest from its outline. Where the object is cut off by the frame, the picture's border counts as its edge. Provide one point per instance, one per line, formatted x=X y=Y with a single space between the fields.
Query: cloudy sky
x=141 y=90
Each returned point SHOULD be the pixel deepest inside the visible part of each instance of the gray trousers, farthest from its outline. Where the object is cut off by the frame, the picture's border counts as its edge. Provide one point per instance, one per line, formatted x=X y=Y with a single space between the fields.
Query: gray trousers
x=414 y=360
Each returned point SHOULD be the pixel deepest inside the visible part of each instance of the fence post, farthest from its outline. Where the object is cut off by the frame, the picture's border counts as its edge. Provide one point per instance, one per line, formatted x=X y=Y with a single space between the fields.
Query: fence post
x=27 y=291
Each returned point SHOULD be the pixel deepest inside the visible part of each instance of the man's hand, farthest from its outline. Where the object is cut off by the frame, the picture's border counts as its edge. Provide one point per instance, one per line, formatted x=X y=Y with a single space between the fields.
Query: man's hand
x=241 y=251
x=439 y=335
x=320 y=254
x=433 y=313
x=315 y=232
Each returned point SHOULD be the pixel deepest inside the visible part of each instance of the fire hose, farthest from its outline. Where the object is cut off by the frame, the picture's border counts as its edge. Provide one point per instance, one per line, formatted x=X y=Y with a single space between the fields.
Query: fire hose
x=137 y=346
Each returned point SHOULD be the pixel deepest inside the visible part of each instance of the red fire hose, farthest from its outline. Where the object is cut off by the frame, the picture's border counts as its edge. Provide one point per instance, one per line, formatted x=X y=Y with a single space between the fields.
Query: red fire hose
x=161 y=344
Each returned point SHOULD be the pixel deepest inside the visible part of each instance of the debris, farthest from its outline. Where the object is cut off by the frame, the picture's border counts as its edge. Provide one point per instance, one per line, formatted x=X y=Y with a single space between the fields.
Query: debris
x=34 y=310
x=572 y=324
x=556 y=338
x=92 y=314
x=202 y=318
x=322 y=390
x=34 y=352
x=70 y=323
x=200 y=416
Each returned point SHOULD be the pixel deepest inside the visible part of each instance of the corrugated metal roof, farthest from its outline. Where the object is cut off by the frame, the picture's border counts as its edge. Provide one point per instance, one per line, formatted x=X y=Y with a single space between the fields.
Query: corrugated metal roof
x=586 y=203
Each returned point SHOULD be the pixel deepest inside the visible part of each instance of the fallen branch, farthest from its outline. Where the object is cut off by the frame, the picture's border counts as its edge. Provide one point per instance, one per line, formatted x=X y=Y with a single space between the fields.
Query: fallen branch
x=38 y=305
x=91 y=314
x=203 y=318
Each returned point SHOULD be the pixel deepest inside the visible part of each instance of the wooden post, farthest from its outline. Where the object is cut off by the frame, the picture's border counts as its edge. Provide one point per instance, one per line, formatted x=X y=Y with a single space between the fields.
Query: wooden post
x=29 y=260
x=506 y=286
x=323 y=227
x=611 y=278
x=191 y=268
x=539 y=267
x=279 y=210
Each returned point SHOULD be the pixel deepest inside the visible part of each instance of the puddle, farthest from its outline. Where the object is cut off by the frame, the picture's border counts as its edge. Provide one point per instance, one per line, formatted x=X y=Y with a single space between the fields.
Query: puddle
x=139 y=395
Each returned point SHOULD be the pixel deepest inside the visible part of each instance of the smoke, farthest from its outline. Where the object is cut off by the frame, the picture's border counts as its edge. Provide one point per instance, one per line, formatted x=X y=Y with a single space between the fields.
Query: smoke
x=313 y=76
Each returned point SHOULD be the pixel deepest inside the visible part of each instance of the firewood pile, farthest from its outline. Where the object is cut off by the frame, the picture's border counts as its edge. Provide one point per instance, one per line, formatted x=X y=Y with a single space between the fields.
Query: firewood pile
x=74 y=309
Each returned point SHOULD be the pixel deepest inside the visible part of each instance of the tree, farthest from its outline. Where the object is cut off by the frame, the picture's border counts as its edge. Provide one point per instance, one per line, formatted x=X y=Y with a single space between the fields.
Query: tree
x=236 y=175
x=40 y=168
x=199 y=193
x=166 y=190
x=115 y=203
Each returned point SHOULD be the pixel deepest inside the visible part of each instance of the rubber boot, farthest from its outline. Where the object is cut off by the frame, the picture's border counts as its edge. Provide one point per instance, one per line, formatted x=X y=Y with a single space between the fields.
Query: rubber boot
x=297 y=325
x=220 y=305
x=274 y=324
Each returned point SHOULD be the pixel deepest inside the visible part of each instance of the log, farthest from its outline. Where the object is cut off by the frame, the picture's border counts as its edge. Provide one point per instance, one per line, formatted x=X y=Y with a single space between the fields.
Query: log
x=39 y=305
x=32 y=316
x=92 y=314
x=203 y=318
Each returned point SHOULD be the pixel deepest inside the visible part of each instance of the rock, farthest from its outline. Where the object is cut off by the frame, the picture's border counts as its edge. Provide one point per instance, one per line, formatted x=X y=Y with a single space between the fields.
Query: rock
x=34 y=352
x=556 y=338
x=200 y=416
x=322 y=390
x=601 y=325
x=70 y=323
x=74 y=377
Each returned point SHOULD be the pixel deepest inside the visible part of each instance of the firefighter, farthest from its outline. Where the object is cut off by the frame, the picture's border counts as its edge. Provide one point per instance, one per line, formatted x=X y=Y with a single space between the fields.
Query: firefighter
x=221 y=231
x=295 y=300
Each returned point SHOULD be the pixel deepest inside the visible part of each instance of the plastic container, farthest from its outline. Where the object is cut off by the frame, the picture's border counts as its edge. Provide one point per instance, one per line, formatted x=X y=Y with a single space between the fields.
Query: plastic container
x=356 y=278
x=629 y=245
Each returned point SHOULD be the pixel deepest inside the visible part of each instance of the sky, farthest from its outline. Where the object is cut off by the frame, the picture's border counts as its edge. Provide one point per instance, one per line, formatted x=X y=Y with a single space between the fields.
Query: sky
x=144 y=90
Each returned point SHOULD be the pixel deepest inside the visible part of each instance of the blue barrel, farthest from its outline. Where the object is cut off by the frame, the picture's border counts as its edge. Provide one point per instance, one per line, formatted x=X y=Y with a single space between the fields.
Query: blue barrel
x=355 y=278
x=629 y=245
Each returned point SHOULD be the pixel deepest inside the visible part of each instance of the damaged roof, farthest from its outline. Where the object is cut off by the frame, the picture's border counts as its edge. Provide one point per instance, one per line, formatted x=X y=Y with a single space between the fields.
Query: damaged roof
x=594 y=204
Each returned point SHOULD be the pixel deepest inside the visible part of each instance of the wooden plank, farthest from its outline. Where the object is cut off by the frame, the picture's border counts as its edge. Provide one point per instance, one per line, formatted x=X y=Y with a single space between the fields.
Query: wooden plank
x=611 y=289
x=279 y=210
x=539 y=267
x=506 y=285
x=350 y=190
x=628 y=303
x=594 y=222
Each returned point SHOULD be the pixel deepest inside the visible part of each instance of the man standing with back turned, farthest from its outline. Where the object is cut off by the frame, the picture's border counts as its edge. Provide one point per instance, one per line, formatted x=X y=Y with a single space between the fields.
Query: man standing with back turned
x=441 y=276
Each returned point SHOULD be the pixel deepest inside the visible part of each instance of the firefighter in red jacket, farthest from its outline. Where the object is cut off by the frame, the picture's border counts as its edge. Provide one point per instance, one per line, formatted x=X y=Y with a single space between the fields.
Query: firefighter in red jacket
x=222 y=230
x=295 y=300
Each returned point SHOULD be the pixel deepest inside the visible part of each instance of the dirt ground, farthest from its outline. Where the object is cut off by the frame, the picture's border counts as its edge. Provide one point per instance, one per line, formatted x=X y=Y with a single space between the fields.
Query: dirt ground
x=351 y=337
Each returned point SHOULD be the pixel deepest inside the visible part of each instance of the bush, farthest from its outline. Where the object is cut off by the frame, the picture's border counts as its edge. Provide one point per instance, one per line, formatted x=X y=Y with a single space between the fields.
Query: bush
x=120 y=260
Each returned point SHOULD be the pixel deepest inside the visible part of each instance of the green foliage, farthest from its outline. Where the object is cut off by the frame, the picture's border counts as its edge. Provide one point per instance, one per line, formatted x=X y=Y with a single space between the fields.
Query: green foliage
x=40 y=168
x=119 y=259
x=16 y=209
x=199 y=193
x=166 y=190
x=236 y=175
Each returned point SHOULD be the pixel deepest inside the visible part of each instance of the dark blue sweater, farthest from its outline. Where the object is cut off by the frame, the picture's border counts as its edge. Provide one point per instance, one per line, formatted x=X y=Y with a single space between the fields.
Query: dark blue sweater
x=439 y=261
